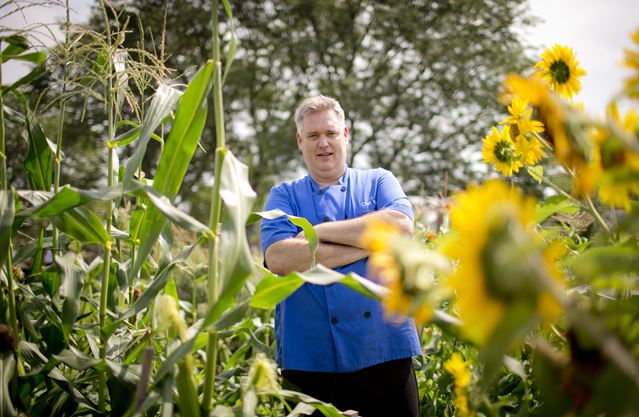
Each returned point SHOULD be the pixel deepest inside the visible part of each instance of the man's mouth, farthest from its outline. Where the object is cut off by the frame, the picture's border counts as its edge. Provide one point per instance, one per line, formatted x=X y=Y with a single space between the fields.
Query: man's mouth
x=325 y=154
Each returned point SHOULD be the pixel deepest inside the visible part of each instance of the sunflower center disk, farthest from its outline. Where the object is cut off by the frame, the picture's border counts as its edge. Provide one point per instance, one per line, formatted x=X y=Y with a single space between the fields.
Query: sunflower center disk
x=504 y=151
x=560 y=72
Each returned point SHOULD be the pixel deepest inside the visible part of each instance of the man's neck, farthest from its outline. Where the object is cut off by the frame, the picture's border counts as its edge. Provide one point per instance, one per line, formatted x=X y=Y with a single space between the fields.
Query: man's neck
x=325 y=182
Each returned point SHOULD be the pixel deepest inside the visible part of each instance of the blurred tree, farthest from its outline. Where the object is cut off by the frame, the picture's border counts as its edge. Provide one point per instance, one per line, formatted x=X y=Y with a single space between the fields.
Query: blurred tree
x=417 y=80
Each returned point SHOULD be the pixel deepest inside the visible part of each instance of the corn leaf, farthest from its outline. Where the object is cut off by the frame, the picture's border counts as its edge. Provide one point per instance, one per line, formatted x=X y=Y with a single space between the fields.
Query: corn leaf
x=273 y=289
x=68 y=198
x=162 y=104
x=176 y=156
x=32 y=75
x=158 y=283
x=17 y=45
x=7 y=212
x=7 y=368
x=70 y=289
x=39 y=161
x=305 y=225
x=238 y=198
x=82 y=224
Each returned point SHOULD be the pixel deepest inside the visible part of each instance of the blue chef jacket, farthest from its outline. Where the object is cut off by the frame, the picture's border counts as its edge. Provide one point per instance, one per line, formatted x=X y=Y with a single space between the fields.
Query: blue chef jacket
x=332 y=328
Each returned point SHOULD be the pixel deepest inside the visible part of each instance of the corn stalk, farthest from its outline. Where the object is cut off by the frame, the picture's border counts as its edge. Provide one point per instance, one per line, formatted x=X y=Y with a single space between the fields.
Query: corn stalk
x=104 y=290
x=216 y=208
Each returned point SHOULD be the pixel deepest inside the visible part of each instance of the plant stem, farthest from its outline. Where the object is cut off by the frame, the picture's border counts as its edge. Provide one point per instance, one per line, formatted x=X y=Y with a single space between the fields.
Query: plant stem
x=4 y=184
x=58 y=149
x=216 y=208
x=104 y=290
x=596 y=214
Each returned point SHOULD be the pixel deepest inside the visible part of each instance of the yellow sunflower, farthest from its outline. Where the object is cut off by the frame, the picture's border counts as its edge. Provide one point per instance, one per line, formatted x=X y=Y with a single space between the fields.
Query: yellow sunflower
x=500 y=150
x=617 y=163
x=405 y=268
x=553 y=115
x=560 y=70
x=523 y=131
x=458 y=368
x=492 y=226
x=632 y=61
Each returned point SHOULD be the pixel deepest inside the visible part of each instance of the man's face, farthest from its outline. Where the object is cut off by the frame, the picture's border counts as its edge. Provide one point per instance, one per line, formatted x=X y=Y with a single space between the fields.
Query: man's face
x=322 y=140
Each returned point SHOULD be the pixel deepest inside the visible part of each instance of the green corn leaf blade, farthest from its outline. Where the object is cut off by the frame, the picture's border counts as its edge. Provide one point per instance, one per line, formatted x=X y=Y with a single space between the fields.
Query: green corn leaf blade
x=82 y=224
x=7 y=368
x=176 y=156
x=162 y=105
x=167 y=397
x=175 y=215
x=327 y=409
x=42 y=304
x=17 y=45
x=238 y=198
x=185 y=134
x=39 y=161
x=135 y=222
x=158 y=283
x=69 y=386
x=553 y=205
x=321 y=275
x=68 y=197
x=132 y=134
x=233 y=316
x=7 y=213
x=30 y=353
x=80 y=361
x=171 y=289
x=30 y=249
x=273 y=289
x=70 y=289
x=34 y=74
x=187 y=391
x=33 y=57
x=307 y=227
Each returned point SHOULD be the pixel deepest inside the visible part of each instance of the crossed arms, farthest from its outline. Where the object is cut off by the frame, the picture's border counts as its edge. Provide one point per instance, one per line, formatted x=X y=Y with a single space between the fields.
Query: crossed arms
x=339 y=243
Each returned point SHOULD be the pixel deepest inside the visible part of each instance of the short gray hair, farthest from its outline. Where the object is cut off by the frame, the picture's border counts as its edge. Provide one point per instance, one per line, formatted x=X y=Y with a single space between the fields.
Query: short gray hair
x=317 y=104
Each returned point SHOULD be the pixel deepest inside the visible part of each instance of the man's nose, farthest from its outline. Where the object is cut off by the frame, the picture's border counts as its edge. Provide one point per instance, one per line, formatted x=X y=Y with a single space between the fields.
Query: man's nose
x=322 y=141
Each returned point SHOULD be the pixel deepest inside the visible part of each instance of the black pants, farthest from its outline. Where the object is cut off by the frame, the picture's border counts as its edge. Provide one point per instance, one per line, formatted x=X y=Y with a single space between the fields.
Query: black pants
x=388 y=389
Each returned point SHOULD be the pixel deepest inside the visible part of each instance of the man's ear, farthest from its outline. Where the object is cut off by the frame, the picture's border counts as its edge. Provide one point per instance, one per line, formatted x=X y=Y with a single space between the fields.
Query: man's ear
x=346 y=134
x=298 y=140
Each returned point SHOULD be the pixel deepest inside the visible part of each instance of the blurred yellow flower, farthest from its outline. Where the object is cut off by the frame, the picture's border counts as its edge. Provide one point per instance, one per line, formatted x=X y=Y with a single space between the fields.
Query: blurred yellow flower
x=632 y=61
x=499 y=149
x=406 y=268
x=568 y=150
x=614 y=168
x=493 y=241
x=560 y=70
x=458 y=368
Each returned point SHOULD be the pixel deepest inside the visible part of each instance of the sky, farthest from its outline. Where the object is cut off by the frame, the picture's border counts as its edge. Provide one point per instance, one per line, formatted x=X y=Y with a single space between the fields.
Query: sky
x=597 y=30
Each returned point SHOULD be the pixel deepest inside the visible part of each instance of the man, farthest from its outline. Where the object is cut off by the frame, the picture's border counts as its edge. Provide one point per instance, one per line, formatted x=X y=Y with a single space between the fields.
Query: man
x=332 y=342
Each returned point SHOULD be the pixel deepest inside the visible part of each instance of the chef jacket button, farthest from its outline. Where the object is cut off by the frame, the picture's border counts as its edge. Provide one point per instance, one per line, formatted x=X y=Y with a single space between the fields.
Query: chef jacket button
x=367 y=314
x=334 y=320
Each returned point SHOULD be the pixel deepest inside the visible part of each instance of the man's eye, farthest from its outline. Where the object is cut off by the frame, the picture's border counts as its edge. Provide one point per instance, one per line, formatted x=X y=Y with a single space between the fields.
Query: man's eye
x=312 y=136
x=332 y=134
